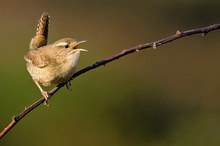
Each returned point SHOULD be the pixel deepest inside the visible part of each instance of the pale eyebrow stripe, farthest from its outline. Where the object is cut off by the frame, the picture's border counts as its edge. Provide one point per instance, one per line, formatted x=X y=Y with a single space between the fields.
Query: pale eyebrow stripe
x=61 y=44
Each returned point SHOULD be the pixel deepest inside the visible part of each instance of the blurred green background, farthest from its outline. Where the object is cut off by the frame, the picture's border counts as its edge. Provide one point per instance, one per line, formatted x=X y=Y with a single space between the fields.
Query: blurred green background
x=163 y=97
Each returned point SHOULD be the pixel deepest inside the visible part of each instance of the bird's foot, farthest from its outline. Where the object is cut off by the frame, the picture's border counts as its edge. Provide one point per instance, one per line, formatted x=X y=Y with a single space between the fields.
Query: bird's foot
x=46 y=97
x=68 y=85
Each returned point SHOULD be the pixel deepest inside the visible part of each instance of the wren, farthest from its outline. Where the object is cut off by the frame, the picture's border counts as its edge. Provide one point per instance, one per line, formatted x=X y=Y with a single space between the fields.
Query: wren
x=54 y=63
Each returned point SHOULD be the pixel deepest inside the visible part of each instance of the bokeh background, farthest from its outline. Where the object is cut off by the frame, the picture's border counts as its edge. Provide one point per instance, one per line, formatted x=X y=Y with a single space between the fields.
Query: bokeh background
x=163 y=97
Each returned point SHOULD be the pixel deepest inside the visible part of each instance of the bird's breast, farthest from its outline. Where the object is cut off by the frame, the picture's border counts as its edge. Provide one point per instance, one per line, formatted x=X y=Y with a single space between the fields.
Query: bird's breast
x=66 y=68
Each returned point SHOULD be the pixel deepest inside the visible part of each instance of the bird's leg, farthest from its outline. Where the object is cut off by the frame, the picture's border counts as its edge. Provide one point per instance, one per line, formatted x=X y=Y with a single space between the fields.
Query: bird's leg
x=44 y=93
x=68 y=85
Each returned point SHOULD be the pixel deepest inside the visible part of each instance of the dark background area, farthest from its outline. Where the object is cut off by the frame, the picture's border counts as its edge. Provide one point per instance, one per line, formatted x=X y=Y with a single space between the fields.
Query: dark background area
x=163 y=97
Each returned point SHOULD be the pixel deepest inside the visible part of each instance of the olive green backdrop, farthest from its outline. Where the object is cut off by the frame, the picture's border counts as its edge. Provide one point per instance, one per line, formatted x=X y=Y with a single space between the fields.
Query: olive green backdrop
x=163 y=97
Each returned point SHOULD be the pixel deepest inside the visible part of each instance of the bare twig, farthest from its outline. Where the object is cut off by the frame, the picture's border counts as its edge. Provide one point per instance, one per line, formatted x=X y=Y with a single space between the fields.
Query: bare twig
x=177 y=35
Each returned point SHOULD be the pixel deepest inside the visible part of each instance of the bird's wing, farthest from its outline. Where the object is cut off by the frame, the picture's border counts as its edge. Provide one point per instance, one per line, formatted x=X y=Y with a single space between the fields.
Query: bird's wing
x=37 y=58
x=42 y=32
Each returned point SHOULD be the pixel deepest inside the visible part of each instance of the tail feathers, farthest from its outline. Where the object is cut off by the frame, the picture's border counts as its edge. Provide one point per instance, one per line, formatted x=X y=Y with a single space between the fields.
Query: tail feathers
x=42 y=32
x=43 y=25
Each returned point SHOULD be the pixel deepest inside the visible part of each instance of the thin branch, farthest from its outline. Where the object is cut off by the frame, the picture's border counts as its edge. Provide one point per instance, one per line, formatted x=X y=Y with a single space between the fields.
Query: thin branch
x=177 y=35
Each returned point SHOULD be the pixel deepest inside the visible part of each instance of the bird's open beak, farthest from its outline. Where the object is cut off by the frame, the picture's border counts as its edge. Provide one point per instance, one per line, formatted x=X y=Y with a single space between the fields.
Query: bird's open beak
x=80 y=42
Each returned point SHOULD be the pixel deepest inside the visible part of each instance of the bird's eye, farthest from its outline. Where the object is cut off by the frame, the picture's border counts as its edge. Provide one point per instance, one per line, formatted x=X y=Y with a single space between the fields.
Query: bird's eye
x=66 y=46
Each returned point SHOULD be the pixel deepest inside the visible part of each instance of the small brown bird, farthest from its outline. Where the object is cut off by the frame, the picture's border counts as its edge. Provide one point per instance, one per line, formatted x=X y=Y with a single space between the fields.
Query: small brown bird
x=54 y=63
